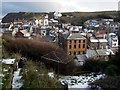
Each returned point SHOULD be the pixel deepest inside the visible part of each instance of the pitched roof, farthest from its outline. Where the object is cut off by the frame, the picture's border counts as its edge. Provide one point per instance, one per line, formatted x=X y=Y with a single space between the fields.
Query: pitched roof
x=57 y=57
x=76 y=36
x=103 y=52
x=103 y=40
x=81 y=57
x=91 y=53
x=94 y=40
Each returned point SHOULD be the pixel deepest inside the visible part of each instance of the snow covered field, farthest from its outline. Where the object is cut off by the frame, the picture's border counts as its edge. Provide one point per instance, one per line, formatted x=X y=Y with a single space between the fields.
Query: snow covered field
x=82 y=81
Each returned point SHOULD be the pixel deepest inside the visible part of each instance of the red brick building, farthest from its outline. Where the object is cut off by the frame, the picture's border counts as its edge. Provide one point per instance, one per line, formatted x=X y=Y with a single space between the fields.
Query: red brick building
x=76 y=44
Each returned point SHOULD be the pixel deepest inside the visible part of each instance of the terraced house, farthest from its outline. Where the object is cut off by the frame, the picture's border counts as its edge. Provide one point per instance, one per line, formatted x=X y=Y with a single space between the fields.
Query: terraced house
x=76 y=44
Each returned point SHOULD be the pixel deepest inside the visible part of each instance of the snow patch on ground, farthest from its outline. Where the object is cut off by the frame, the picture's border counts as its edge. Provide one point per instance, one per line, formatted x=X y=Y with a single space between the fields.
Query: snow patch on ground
x=8 y=61
x=51 y=74
x=17 y=83
x=1 y=75
x=81 y=81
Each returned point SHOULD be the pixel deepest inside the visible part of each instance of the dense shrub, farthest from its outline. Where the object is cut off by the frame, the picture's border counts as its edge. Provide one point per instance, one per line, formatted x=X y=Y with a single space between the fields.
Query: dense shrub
x=36 y=77
x=33 y=49
x=111 y=70
x=109 y=83
x=94 y=66
x=110 y=67
x=30 y=48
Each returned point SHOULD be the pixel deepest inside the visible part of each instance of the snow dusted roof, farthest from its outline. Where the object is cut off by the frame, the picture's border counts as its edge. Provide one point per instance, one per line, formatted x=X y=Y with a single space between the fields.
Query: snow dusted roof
x=103 y=40
x=112 y=34
x=8 y=61
x=91 y=53
x=81 y=57
x=94 y=40
x=76 y=36
x=103 y=52
x=61 y=30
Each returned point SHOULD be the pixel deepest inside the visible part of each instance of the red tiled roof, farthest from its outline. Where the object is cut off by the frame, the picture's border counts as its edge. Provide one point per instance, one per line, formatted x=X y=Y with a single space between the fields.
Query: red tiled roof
x=101 y=32
x=39 y=36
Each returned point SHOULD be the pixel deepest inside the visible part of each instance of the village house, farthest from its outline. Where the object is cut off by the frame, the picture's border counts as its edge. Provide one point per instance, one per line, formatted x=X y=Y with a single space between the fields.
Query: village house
x=80 y=59
x=113 y=40
x=53 y=22
x=90 y=23
x=76 y=44
x=63 y=38
x=43 y=31
x=43 y=21
x=57 y=15
x=74 y=29
x=46 y=21
x=93 y=43
x=98 y=43
x=103 y=54
x=19 y=22
x=6 y=29
x=21 y=34
x=103 y=43
x=114 y=27
x=100 y=34
x=104 y=21
x=40 y=22
x=7 y=26
x=99 y=54
x=92 y=54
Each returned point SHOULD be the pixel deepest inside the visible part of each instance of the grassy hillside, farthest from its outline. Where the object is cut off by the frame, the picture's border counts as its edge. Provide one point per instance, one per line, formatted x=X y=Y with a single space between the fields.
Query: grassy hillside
x=85 y=14
x=67 y=16
x=78 y=18
x=10 y=17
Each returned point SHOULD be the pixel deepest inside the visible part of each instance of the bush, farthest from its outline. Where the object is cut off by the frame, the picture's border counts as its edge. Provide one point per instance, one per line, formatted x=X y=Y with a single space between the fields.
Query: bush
x=35 y=49
x=109 y=83
x=30 y=48
x=35 y=76
x=111 y=70
x=94 y=66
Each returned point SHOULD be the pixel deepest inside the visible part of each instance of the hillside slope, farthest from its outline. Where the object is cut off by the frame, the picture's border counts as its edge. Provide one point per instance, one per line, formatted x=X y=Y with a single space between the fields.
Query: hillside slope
x=66 y=16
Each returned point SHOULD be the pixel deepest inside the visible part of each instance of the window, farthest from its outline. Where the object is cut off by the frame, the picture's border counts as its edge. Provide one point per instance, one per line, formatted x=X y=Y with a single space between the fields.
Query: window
x=70 y=41
x=79 y=41
x=69 y=53
x=74 y=46
x=69 y=46
x=83 y=41
x=114 y=40
x=74 y=41
x=74 y=53
x=79 y=46
x=83 y=52
x=83 y=45
x=79 y=52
